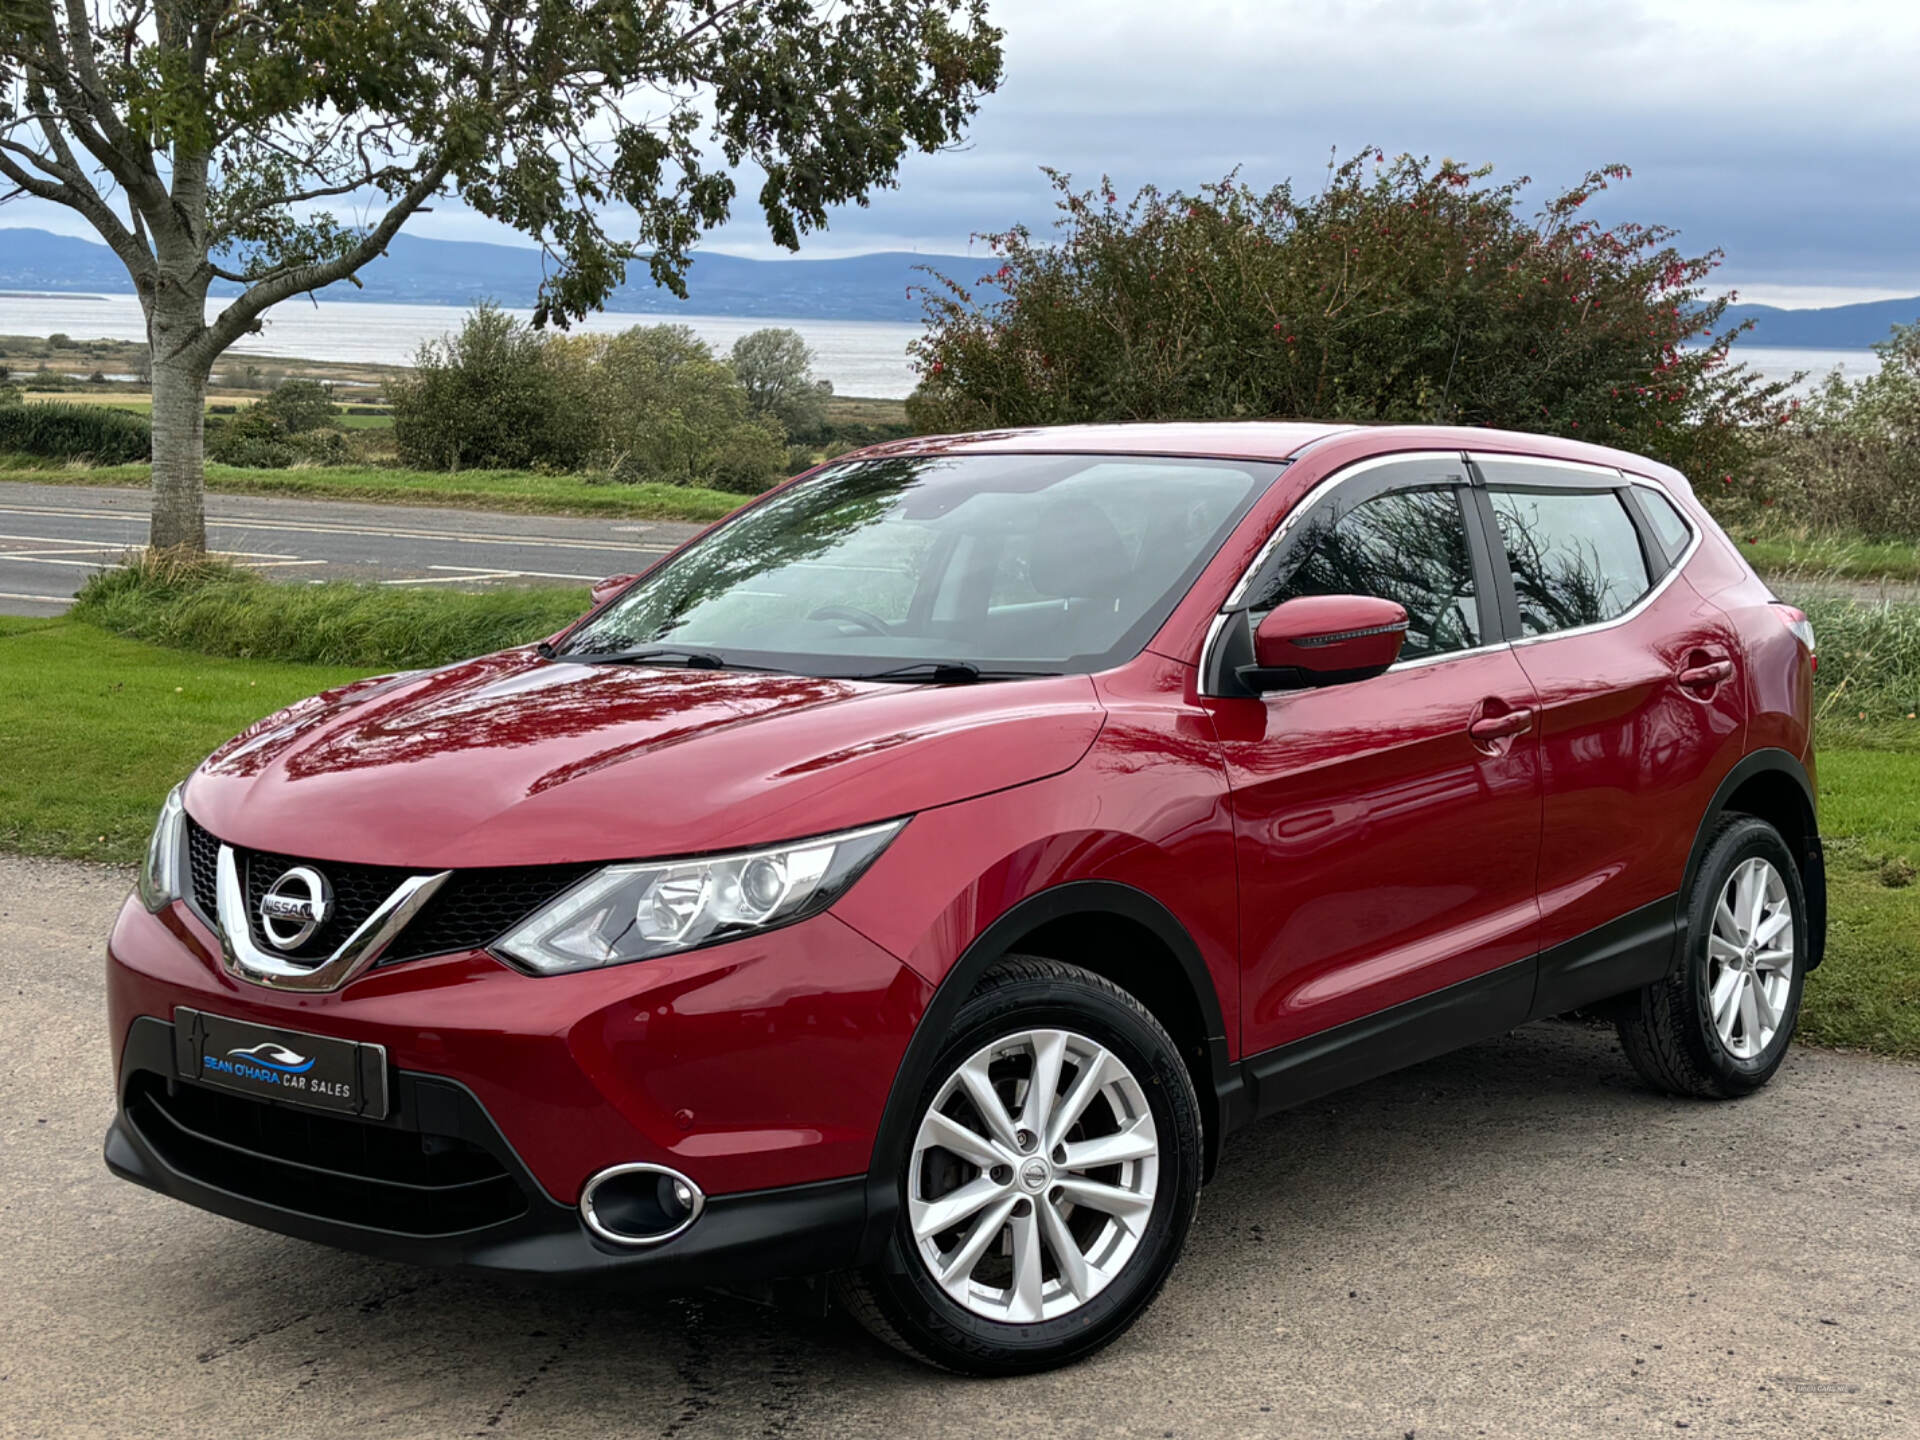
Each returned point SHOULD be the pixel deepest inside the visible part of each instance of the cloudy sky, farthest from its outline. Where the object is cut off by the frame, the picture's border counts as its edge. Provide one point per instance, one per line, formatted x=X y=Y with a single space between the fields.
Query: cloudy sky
x=1786 y=132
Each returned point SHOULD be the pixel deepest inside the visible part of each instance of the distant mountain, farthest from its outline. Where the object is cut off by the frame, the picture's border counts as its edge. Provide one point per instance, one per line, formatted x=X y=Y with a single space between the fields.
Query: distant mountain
x=419 y=271
x=862 y=287
x=1840 y=327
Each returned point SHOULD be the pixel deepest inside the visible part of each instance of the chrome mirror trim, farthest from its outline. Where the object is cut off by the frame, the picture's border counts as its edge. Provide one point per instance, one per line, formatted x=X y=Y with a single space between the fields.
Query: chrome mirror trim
x=247 y=961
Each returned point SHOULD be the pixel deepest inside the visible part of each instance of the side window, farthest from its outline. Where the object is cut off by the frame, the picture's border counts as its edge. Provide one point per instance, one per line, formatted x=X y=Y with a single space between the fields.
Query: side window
x=1575 y=556
x=1673 y=530
x=1405 y=545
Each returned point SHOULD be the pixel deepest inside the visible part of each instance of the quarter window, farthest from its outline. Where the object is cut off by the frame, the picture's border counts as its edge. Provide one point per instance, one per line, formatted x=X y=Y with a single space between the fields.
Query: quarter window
x=1575 y=556
x=1666 y=521
x=1404 y=545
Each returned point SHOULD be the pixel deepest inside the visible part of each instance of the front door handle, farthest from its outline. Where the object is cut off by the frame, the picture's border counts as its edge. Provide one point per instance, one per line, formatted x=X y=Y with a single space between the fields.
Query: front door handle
x=1490 y=728
x=1704 y=677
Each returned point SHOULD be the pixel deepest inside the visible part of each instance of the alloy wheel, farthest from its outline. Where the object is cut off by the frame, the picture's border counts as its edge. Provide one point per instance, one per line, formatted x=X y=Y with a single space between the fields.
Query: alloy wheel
x=1750 y=958
x=1033 y=1176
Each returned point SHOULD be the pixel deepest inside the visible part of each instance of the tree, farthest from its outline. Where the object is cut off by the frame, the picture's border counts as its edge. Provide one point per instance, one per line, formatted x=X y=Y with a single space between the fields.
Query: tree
x=487 y=398
x=777 y=369
x=202 y=139
x=1400 y=292
x=663 y=407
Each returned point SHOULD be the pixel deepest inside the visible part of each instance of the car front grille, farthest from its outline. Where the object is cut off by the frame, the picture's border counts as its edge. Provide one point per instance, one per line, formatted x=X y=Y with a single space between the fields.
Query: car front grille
x=382 y=1176
x=474 y=908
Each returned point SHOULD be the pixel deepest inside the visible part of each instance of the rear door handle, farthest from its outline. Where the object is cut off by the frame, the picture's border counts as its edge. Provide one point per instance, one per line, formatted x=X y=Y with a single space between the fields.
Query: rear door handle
x=1489 y=728
x=1700 y=677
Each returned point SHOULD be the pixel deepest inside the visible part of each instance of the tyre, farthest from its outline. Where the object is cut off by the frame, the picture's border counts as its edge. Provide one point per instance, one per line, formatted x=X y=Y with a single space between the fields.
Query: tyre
x=1050 y=1179
x=1720 y=1025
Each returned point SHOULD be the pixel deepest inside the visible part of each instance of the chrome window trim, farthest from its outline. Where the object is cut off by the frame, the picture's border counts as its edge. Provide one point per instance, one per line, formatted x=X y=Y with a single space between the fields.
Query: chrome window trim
x=1653 y=592
x=1312 y=498
x=1494 y=457
x=247 y=961
x=1236 y=598
x=1610 y=478
x=1641 y=482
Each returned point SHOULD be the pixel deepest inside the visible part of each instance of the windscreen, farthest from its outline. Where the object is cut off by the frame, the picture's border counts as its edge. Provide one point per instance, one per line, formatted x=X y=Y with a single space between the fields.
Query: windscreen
x=1042 y=563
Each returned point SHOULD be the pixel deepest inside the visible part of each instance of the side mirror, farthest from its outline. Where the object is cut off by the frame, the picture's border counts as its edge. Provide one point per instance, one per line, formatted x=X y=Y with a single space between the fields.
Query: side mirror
x=606 y=589
x=1325 y=640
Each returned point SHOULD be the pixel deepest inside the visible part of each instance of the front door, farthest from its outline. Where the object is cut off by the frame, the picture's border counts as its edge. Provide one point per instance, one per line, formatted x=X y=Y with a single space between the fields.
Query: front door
x=1388 y=830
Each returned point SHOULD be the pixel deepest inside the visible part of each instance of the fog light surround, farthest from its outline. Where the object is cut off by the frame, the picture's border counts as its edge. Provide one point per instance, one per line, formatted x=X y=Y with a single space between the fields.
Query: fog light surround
x=640 y=1204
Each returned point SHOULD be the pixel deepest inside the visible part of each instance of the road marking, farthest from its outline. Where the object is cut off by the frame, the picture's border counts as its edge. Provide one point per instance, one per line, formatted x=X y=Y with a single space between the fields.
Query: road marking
x=38 y=599
x=452 y=579
x=330 y=528
x=532 y=574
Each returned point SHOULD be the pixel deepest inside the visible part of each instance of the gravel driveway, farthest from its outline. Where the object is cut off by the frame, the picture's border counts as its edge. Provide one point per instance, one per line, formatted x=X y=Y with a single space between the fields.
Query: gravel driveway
x=1515 y=1241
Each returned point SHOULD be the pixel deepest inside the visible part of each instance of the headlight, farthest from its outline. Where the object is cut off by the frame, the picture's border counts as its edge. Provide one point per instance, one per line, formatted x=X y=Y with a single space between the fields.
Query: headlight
x=635 y=912
x=163 y=876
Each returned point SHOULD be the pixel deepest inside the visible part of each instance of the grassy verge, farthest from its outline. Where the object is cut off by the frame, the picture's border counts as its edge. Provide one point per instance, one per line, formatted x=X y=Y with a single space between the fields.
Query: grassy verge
x=216 y=610
x=1816 y=557
x=96 y=729
x=508 y=490
x=1867 y=994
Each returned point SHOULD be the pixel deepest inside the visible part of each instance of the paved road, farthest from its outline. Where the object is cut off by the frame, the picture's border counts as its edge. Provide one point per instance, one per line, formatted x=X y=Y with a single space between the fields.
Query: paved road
x=1516 y=1241
x=53 y=536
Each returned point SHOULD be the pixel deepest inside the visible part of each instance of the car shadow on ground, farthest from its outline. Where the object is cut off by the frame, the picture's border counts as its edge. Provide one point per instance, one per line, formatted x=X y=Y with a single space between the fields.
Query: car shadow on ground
x=1372 y=1158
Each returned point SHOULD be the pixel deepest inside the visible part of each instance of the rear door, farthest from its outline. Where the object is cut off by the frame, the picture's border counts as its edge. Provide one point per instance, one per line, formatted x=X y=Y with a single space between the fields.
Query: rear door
x=1385 y=853
x=1641 y=714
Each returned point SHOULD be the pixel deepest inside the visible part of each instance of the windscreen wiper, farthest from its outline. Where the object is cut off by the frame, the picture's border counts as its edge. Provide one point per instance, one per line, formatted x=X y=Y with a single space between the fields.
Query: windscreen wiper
x=946 y=672
x=662 y=655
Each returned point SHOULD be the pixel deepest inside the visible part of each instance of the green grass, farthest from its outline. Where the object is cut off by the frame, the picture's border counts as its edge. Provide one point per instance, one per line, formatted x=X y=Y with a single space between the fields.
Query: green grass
x=214 y=609
x=96 y=729
x=1829 y=557
x=1867 y=993
x=508 y=490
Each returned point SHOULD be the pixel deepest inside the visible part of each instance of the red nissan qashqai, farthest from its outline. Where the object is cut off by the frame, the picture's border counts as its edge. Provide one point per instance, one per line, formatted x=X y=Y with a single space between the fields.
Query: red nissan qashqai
x=915 y=877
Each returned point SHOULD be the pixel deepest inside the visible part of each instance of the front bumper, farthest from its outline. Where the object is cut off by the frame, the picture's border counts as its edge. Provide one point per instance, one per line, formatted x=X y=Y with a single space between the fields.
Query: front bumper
x=759 y=1070
x=791 y=1230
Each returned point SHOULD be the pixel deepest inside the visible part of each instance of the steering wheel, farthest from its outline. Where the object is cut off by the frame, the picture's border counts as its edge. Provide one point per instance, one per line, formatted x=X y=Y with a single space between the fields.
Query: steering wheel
x=853 y=615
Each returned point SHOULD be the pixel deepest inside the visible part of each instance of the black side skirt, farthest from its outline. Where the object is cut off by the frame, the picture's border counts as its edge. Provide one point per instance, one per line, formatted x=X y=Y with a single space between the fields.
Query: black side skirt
x=1622 y=955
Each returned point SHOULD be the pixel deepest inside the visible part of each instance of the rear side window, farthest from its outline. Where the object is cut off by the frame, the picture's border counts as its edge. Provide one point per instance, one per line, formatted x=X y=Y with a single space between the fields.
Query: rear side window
x=1575 y=556
x=1405 y=545
x=1667 y=523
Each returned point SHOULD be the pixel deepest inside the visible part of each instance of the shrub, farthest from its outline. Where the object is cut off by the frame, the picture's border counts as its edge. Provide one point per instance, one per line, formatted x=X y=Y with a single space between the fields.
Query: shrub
x=99 y=434
x=269 y=436
x=216 y=609
x=776 y=369
x=300 y=405
x=750 y=458
x=1851 y=461
x=660 y=406
x=1399 y=292
x=486 y=398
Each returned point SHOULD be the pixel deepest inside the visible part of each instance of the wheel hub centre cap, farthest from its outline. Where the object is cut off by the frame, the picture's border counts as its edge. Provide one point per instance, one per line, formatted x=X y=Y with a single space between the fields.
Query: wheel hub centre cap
x=1034 y=1175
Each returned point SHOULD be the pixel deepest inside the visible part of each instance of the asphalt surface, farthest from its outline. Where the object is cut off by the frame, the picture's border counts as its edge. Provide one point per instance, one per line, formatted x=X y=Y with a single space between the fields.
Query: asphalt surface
x=1517 y=1241
x=53 y=536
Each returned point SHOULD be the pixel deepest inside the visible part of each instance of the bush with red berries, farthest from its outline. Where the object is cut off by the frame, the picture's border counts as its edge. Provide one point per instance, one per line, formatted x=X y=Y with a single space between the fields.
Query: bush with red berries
x=1400 y=291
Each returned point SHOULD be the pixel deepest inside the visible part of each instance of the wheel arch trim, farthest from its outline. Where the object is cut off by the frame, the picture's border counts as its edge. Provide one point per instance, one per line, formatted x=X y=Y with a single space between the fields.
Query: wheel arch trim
x=1812 y=862
x=1220 y=1102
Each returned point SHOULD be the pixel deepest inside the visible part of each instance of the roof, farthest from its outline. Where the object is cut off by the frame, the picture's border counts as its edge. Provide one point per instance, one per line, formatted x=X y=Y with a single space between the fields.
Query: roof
x=1264 y=440
x=1223 y=439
